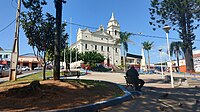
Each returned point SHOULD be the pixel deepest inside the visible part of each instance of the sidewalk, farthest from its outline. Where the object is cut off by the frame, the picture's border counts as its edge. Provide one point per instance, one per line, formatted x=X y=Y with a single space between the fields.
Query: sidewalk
x=4 y=79
x=159 y=96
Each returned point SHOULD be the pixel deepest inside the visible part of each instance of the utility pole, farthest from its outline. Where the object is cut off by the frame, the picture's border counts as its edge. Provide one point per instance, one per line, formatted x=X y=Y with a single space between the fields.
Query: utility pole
x=15 y=50
x=70 y=50
x=58 y=5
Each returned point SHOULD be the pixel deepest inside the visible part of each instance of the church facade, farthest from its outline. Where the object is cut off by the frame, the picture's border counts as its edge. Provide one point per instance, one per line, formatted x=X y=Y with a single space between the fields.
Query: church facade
x=102 y=41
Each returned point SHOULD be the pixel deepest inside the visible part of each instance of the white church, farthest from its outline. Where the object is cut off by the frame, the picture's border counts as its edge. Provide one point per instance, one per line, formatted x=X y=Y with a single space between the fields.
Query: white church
x=102 y=41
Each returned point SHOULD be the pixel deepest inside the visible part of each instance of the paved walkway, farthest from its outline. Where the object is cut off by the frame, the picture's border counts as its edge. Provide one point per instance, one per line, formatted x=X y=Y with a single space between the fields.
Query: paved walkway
x=157 y=95
x=18 y=76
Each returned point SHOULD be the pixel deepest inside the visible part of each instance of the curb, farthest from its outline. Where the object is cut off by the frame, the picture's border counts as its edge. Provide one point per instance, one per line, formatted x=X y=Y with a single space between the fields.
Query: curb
x=99 y=105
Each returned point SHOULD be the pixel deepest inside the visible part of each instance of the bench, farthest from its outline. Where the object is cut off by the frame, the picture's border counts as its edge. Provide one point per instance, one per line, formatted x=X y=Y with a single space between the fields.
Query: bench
x=72 y=73
x=129 y=82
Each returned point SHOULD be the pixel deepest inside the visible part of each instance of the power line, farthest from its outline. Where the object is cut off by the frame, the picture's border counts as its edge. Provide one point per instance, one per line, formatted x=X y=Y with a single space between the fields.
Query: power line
x=151 y=36
x=13 y=5
x=154 y=36
x=8 y=25
x=82 y=25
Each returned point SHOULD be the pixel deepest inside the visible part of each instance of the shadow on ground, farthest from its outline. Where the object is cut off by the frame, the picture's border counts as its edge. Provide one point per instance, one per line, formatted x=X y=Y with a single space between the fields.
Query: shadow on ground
x=156 y=99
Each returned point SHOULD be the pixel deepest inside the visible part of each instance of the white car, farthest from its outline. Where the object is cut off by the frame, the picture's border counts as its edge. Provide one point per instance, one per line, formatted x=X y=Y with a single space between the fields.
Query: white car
x=38 y=68
x=25 y=68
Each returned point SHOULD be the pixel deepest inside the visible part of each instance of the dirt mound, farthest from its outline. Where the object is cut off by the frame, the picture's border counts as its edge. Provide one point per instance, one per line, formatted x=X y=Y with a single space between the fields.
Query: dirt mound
x=32 y=90
x=50 y=95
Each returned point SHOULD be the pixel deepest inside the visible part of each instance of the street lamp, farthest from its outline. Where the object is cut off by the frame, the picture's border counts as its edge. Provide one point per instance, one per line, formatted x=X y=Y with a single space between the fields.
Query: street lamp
x=166 y=29
x=160 y=49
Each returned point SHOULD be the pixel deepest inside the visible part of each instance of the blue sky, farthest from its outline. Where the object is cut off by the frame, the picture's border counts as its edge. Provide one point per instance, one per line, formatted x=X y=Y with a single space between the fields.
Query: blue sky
x=132 y=15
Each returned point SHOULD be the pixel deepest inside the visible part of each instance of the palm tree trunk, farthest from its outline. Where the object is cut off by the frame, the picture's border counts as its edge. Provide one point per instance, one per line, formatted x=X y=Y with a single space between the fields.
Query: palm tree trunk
x=148 y=61
x=124 y=61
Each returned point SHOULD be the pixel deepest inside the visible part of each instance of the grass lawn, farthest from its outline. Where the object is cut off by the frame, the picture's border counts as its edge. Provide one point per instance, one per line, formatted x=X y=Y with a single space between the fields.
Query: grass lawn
x=49 y=95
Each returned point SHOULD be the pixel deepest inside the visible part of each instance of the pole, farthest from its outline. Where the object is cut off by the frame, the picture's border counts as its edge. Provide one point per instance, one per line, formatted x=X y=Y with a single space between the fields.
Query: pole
x=70 y=59
x=64 y=59
x=15 y=51
x=161 y=62
x=172 y=80
x=76 y=56
x=64 y=54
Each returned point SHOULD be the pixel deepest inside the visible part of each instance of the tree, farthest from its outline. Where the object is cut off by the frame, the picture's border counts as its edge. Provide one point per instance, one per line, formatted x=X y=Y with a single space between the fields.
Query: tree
x=36 y=28
x=147 y=46
x=64 y=37
x=124 y=38
x=92 y=57
x=182 y=15
x=175 y=48
x=57 y=39
x=40 y=30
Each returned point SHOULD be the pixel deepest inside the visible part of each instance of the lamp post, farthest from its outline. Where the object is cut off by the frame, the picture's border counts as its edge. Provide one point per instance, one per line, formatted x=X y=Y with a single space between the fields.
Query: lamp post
x=160 y=49
x=166 y=29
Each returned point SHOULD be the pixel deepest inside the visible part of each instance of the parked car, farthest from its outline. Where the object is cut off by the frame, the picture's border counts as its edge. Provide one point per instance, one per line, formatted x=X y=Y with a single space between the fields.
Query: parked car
x=101 y=68
x=49 y=67
x=25 y=68
x=38 y=68
x=4 y=70
x=19 y=70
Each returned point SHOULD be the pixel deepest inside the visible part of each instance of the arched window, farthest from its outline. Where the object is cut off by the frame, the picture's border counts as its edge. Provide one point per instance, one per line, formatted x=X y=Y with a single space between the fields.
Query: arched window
x=95 y=47
x=86 y=46
x=101 y=48
x=115 y=32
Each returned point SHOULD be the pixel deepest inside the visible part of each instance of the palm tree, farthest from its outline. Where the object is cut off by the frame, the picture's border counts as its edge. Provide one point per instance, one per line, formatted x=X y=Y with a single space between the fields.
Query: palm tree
x=147 y=46
x=176 y=48
x=124 y=38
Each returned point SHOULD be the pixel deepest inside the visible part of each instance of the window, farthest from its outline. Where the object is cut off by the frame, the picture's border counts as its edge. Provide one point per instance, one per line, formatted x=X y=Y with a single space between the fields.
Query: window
x=115 y=32
x=131 y=60
x=116 y=50
x=95 y=47
x=6 y=56
x=108 y=49
x=0 y=56
x=109 y=32
x=101 y=48
x=101 y=38
x=86 y=46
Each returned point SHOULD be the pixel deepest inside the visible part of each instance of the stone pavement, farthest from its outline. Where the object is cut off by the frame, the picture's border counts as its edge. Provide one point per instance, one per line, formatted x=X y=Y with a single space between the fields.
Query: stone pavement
x=157 y=95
